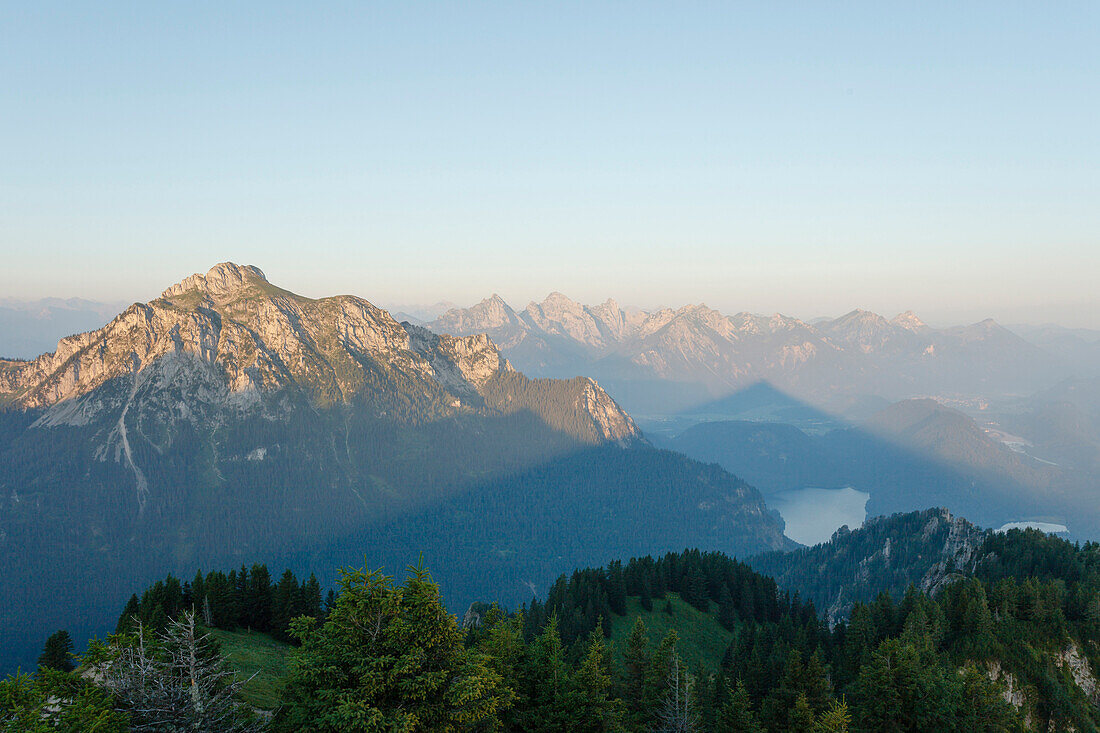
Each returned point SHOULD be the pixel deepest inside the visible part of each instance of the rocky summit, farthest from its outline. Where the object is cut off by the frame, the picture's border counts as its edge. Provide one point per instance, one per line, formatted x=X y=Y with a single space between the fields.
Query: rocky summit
x=236 y=338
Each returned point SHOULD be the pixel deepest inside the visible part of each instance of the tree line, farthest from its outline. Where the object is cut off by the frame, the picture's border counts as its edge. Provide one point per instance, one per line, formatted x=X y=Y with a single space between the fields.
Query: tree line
x=706 y=580
x=246 y=598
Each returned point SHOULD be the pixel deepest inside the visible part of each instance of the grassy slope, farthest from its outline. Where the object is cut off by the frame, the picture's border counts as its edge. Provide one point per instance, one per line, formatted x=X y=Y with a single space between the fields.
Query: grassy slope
x=252 y=653
x=702 y=643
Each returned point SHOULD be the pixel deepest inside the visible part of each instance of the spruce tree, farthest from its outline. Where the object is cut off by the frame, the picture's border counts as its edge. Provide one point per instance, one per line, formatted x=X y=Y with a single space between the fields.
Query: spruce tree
x=801 y=717
x=859 y=641
x=284 y=604
x=58 y=652
x=735 y=713
x=904 y=688
x=198 y=592
x=388 y=657
x=131 y=614
x=635 y=665
x=593 y=708
x=727 y=610
x=645 y=597
x=506 y=653
x=309 y=598
x=696 y=591
x=815 y=683
x=836 y=719
x=657 y=675
x=777 y=707
x=58 y=702
x=258 y=599
x=547 y=684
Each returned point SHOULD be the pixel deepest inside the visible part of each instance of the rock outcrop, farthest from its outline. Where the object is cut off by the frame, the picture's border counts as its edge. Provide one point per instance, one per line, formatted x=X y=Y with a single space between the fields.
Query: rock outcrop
x=927 y=549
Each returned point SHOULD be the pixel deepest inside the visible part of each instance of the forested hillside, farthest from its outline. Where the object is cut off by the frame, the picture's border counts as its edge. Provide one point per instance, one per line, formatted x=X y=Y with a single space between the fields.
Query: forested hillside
x=688 y=641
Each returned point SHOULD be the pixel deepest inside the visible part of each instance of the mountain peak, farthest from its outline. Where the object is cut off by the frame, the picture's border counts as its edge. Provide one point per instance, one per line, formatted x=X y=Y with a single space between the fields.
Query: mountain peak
x=560 y=300
x=909 y=321
x=860 y=315
x=486 y=315
x=221 y=280
x=696 y=309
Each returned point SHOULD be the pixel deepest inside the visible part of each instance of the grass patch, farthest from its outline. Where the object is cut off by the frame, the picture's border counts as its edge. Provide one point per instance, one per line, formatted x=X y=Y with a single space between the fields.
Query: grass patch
x=253 y=653
x=703 y=641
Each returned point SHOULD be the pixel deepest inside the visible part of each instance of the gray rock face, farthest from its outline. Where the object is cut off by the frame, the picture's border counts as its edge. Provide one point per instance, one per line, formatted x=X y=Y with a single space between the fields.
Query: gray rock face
x=1074 y=660
x=1071 y=659
x=957 y=555
x=612 y=423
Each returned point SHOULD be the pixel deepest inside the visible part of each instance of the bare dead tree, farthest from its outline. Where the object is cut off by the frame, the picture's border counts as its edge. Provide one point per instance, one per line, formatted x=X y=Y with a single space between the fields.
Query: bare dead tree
x=678 y=714
x=176 y=681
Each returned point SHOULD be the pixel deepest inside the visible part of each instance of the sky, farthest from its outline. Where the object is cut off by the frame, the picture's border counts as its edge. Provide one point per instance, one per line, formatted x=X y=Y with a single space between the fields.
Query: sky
x=801 y=158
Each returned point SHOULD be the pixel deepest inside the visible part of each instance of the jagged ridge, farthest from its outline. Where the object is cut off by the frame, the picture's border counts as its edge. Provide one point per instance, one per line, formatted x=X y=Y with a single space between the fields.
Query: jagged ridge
x=244 y=337
x=859 y=353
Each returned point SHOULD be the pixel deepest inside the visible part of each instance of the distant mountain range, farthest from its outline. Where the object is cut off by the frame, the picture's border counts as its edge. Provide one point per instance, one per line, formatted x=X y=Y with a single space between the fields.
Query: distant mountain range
x=671 y=360
x=31 y=327
x=230 y=418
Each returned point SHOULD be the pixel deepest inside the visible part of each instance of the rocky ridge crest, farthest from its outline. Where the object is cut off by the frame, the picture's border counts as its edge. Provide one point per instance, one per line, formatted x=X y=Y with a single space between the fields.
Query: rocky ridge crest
x=245 y=340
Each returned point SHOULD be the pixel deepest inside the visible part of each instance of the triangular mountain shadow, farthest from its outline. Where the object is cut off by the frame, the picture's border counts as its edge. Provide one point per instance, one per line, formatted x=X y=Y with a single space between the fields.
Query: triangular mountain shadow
x=764 y=400
x=913 y=455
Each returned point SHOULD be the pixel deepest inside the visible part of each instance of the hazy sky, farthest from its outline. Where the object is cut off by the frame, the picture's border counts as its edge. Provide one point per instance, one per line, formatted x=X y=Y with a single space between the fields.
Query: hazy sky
x=805 y=158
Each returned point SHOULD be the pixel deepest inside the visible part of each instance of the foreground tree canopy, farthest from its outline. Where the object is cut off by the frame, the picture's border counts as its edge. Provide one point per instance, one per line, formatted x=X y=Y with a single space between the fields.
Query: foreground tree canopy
x=391 y=658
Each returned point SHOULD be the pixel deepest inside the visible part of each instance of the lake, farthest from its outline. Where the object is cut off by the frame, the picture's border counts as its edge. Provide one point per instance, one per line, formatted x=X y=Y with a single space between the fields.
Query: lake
x=1049 y=527
x=812 y=515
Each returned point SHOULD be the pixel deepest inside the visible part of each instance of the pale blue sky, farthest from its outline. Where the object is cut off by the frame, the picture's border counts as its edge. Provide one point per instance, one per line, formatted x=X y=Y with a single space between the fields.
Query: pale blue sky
x=807 y=158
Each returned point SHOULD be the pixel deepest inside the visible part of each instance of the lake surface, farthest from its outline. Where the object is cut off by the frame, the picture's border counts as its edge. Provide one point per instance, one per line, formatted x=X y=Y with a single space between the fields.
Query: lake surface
x=812 y=515
x=1050 y=527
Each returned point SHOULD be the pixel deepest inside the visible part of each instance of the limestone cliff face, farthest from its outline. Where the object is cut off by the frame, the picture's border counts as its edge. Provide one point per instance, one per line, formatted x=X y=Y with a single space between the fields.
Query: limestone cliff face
x=230 y=339
x=612 y=423
x=958 y=553
x=1071 y=660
